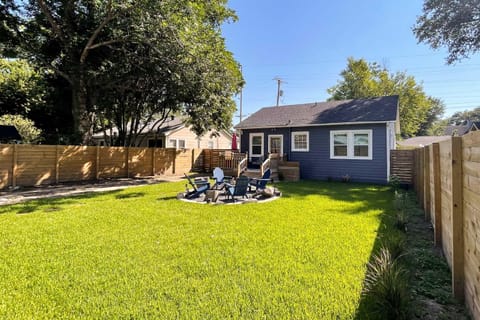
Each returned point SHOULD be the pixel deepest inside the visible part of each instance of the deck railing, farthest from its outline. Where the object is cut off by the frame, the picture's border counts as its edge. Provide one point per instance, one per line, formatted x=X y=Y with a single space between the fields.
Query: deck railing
x=265 y=165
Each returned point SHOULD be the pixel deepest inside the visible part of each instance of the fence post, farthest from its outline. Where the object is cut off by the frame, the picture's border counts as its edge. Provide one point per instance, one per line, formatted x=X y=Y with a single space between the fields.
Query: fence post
x=458 y=276
x=57 y=163
x=426 y=170
x=14 y=166
x=174 y=160
x=421 y=179
x=153 y=160
x=97 y=163
x=437 y=194
x=127 y=161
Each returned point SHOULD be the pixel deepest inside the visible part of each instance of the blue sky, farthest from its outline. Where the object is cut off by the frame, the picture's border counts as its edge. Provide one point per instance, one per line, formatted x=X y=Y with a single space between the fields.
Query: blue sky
x=307 y=42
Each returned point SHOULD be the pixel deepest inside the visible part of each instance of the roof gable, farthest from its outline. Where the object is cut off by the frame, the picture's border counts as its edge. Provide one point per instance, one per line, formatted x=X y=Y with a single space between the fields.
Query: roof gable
x=380 y=109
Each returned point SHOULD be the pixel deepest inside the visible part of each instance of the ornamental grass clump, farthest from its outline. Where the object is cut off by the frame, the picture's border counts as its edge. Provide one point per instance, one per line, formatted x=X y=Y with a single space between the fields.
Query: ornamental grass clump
x=401 y=204
x=386 y=286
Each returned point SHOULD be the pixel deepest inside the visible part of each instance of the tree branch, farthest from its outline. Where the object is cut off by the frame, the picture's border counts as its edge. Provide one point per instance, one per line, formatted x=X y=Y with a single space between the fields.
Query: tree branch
x=56 y=28
x=110 y=16
x=105 y=43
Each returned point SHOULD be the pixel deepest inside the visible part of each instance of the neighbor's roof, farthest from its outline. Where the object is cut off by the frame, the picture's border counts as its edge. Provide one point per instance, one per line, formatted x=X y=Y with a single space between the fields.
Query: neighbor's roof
x=9 y=133
x=460 y=130
x=421 y=141
x=381 y=109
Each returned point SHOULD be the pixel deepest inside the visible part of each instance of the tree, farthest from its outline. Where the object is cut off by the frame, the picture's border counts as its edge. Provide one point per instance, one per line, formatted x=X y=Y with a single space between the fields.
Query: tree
x=365 y=80
x=25 y=127
x=454 y=24
x=21 y=87
x=432 y=121
x=462 y=116
x=85 y=41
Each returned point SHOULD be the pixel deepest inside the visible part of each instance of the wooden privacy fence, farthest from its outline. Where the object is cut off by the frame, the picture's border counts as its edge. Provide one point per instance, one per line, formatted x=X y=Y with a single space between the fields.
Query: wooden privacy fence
x=29 y=165
x=402 y=164
x=447 y=181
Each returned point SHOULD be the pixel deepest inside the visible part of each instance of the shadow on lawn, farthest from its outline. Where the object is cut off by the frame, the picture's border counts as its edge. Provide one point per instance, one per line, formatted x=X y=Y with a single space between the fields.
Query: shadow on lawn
x=56 y=204
x=371 y=197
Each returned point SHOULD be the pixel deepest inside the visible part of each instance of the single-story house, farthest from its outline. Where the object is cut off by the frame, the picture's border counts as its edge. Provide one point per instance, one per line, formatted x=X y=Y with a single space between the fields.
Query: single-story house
x=173 y=133
x=330 y=139
x=462 y=129
x=9 y=134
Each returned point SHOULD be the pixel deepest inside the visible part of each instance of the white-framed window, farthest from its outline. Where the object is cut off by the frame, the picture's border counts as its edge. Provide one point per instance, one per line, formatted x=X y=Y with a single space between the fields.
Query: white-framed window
x=275 y=143
x=351 y=144
x=176 y=143
x=300 y=141
x=210 y=144
x=256 y=144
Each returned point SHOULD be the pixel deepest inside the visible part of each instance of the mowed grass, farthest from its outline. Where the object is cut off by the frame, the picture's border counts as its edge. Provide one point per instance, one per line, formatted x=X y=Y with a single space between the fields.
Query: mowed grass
x=141 y=253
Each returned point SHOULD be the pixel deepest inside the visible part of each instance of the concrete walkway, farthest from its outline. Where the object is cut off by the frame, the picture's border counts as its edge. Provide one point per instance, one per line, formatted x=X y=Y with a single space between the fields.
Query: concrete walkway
x=22 y=194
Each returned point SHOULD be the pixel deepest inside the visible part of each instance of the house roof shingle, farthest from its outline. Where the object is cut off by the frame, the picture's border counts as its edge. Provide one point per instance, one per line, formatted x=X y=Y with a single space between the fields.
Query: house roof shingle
x=421 y=141
x=379 y=109
x=460 y=130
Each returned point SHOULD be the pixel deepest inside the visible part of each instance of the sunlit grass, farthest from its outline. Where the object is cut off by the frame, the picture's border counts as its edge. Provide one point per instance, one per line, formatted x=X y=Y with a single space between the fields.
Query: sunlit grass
x=141 y=253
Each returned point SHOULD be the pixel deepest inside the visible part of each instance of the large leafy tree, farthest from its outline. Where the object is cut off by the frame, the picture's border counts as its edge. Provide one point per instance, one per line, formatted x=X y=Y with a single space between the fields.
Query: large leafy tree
x=454 y=24
x=361 y=79
x=124 y=59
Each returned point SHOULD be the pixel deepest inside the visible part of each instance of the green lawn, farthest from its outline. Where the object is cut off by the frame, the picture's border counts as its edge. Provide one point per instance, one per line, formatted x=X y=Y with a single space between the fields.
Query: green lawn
x=140 y=253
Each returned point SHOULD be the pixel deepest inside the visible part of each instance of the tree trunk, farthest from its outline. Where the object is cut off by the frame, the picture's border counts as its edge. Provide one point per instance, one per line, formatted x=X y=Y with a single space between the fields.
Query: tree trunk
x=81 y=121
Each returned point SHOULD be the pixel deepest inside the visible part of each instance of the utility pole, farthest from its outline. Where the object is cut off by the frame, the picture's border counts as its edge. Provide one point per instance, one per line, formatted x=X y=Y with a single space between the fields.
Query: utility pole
x=279 y=92
x=241 y=97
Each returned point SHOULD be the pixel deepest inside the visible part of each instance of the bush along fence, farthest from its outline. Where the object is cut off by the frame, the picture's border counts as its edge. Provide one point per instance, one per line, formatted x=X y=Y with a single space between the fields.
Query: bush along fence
x=447 y=182
x=31 y=165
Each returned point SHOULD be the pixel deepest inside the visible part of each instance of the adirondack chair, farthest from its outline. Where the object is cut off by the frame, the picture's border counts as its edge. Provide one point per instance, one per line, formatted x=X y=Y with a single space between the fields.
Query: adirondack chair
x=220 y=179
x=239 y=189
x=199 y=186
x=260 y=184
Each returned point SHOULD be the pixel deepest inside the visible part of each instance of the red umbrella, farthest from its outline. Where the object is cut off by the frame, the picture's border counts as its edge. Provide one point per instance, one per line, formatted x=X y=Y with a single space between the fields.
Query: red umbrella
x=234 y=142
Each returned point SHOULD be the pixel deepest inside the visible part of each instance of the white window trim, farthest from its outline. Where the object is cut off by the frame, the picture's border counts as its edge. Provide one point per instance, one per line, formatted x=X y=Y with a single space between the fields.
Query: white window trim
x=177 y=144
x=251 y=135
x=350 y=144
x=281 y=142
x=295 y=133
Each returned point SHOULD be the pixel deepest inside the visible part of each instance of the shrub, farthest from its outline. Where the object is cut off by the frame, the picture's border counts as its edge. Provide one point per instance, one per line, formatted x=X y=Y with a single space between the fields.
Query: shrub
x=386 y=286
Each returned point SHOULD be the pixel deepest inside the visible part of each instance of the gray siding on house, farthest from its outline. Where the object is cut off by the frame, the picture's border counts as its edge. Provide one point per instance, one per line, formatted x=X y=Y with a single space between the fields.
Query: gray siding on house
x=316 y=163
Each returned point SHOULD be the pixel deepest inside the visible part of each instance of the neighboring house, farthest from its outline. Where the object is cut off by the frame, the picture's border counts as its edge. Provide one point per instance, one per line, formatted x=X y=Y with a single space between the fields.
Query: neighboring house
x=460 y=130
x=173 y=133
x=420 y=142
x=9 y=134
x=329 y=139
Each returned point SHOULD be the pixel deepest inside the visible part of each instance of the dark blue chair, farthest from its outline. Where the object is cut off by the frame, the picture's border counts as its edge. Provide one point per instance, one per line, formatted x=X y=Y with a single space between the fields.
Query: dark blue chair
x=239 y=189
x=260 y=184
x=199 y=186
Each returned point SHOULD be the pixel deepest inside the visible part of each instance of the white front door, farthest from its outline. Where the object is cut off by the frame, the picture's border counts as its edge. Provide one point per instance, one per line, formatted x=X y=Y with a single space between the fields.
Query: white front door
x=256 y=145
x=275 y=144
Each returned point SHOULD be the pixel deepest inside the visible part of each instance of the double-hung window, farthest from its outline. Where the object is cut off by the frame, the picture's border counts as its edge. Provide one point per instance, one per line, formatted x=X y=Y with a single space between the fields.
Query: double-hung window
x=256 y=144
x=300 y=141
x=352 y=144
x=176 y=143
